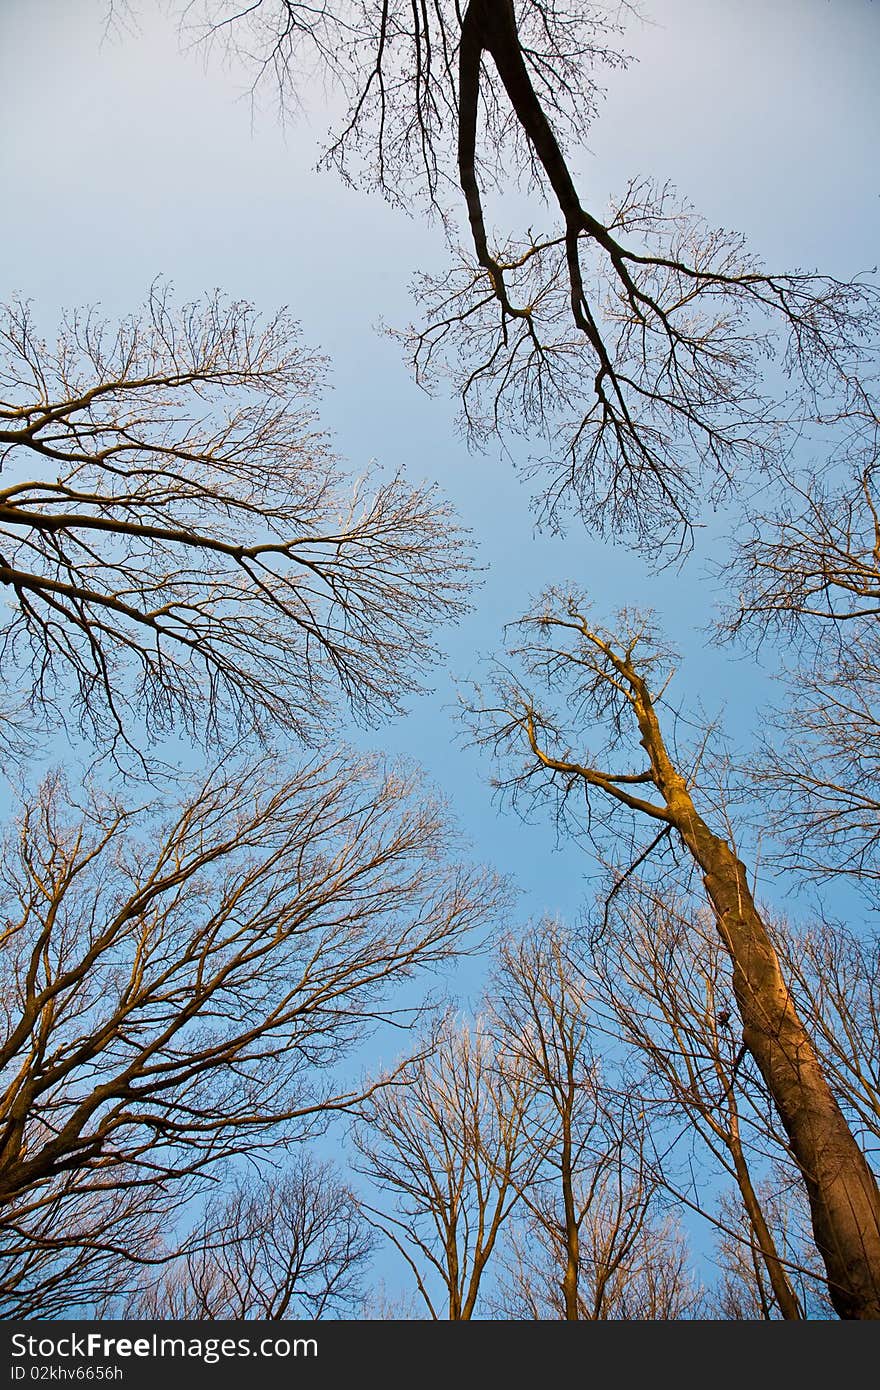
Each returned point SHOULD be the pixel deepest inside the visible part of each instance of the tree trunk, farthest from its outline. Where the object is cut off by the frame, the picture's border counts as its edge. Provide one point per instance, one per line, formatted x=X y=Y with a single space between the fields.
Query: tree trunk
x=842 y=1191
x=570 y=1278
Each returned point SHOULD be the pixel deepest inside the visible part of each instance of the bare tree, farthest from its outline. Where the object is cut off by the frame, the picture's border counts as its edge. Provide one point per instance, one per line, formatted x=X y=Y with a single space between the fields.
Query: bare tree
x=744 y=1292
x=633 y=342
x=615 y=682
x=835 y=974
x=181 y=984
x=589 y=1245
x=178 y=543
x=291 y=1246
x=808 y=572
x=663 y=985
x=443 y=1144
x=634 y=1267
x=540 y=1010
x=82 y=1251
x=809 y=568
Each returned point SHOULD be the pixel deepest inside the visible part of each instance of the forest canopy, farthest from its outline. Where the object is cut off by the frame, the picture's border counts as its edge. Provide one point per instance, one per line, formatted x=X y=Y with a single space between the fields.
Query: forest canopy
x=267 y=1030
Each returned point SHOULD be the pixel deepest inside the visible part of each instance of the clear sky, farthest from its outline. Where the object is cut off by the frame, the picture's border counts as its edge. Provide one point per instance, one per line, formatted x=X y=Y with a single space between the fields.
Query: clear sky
x=123 y=158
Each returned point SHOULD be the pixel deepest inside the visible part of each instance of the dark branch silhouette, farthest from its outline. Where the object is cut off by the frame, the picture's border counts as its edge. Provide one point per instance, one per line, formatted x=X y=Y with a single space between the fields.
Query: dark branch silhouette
x=632 y=342
x=179 y=544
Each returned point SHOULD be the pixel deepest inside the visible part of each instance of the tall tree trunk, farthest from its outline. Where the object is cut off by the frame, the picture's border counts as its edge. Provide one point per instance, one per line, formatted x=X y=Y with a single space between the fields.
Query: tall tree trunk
x=570 y=1278
x=842 y=1191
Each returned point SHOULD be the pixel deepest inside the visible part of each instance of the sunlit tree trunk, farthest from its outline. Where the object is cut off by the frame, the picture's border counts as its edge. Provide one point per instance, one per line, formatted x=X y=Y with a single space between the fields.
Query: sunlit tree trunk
x=842 y=1191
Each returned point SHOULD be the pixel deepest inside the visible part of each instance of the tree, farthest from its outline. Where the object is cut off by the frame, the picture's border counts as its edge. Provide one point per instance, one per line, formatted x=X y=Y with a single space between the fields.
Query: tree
x=632 y=343
x=633 y=1267
x=288 y=1247
x=835 y=974
x=502 y=1154
x=662 y=979
x=442 y=1140
x=744 y=1291
x=182 y=983
x=807 y=571
x=616 y=682
x=540 y=1012
x=83 y=1252
x=179 y=544
x=589 y=1246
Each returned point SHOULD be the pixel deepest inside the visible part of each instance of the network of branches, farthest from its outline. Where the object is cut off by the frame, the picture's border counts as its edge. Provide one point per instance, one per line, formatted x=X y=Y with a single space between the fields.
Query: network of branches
x=180 y=545
x=187 y=975
x=634 y=341
x=182 y=984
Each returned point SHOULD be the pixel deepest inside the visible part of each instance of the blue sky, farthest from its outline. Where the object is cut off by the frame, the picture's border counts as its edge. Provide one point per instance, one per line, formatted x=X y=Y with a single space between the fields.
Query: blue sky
x=123 y=158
